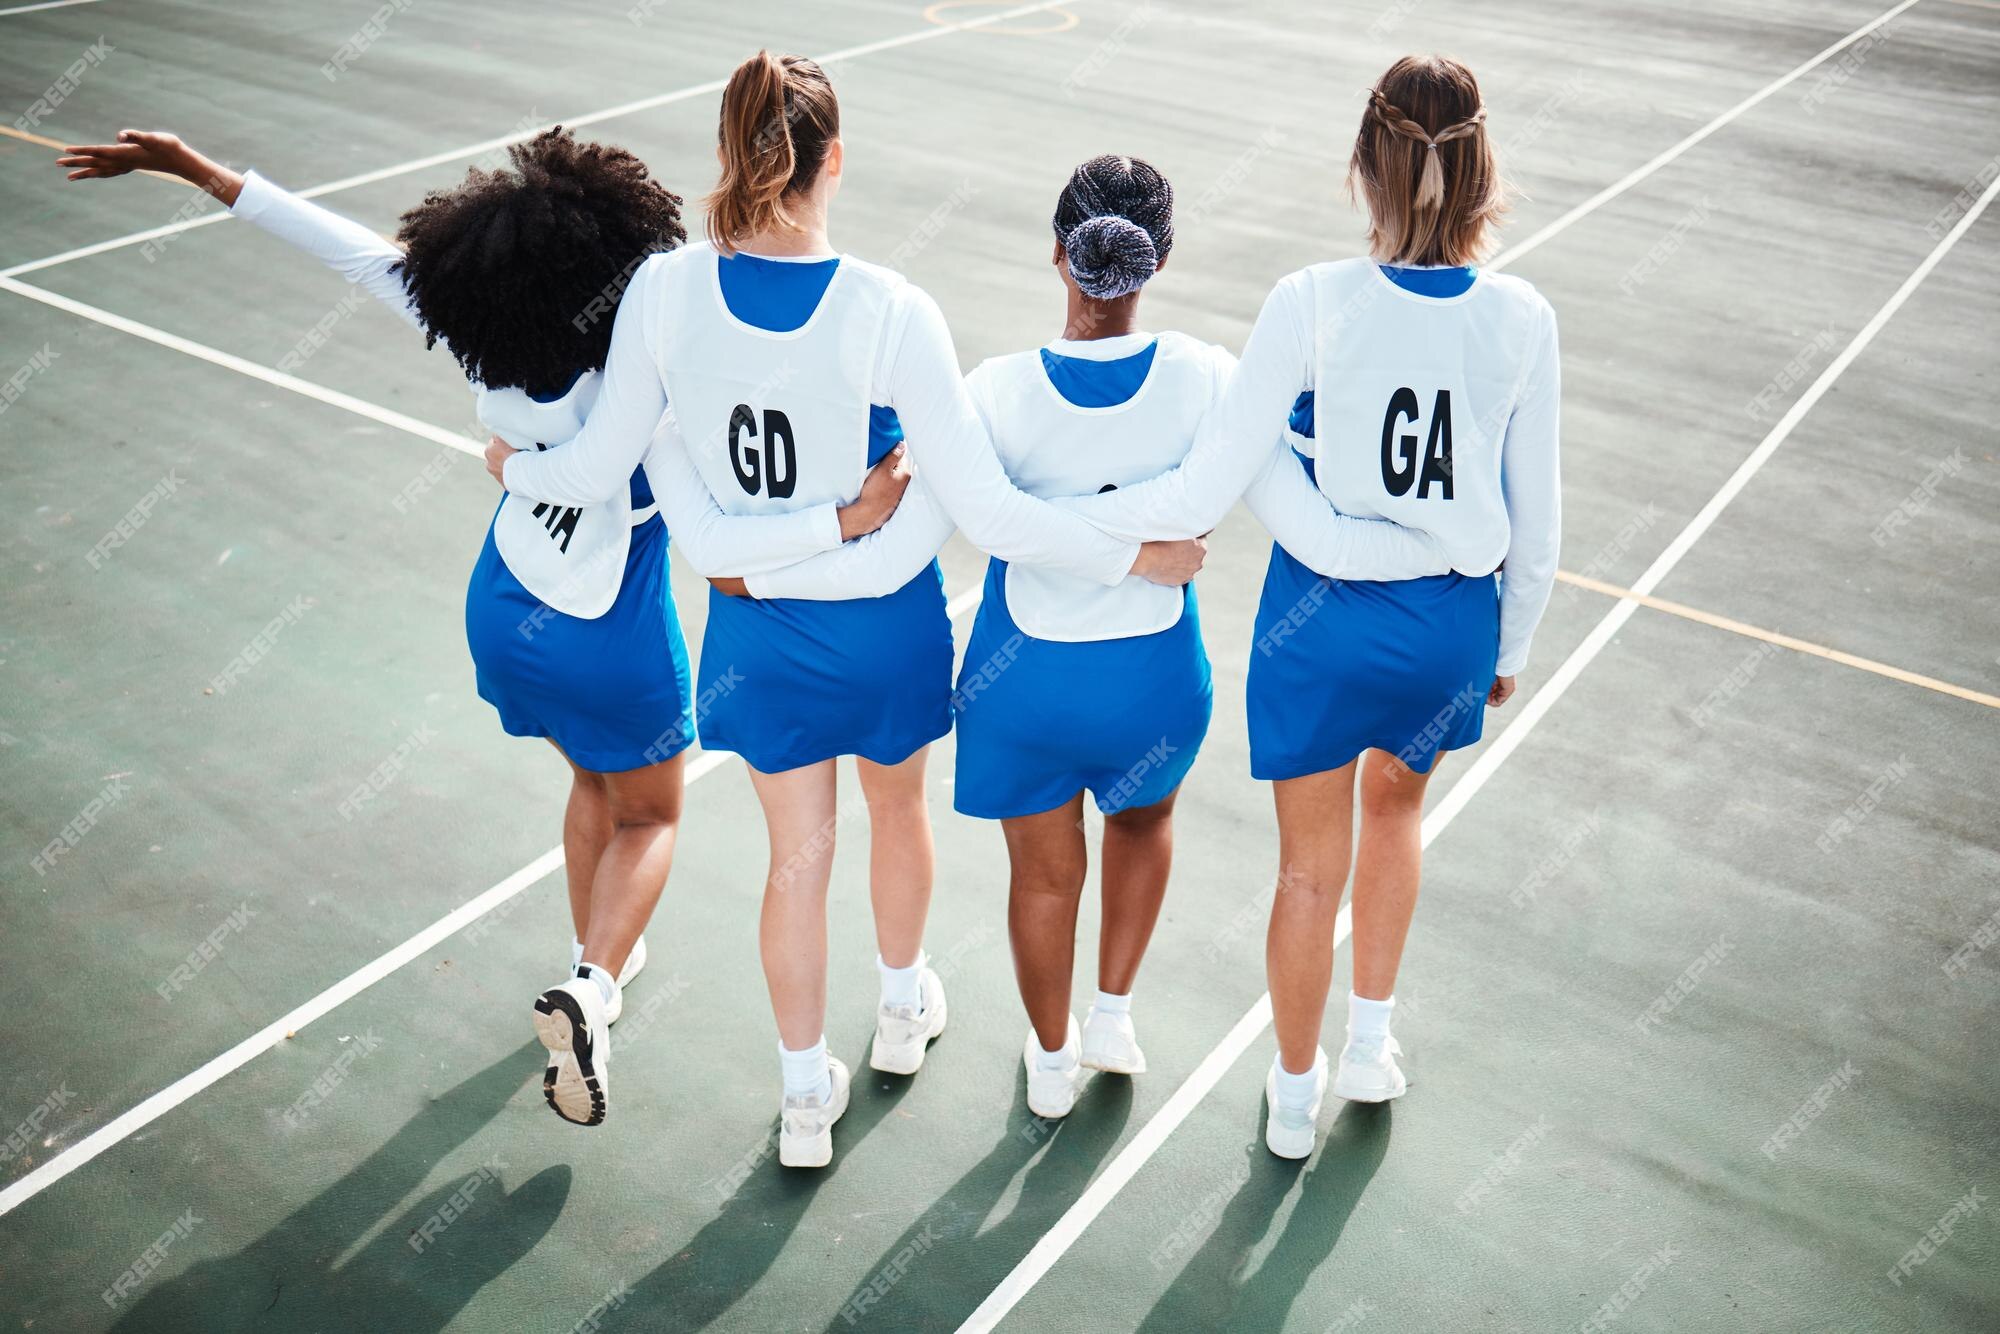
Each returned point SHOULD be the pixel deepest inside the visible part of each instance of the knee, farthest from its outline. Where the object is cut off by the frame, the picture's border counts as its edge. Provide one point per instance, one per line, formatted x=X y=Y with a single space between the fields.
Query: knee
x=1392 y=793
x=1311 y=881
x=1142 y=821
x=1050 y=878
x=659 y=809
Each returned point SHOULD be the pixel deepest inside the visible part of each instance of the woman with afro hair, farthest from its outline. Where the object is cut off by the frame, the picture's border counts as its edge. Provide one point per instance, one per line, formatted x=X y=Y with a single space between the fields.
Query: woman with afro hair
x=569 y=612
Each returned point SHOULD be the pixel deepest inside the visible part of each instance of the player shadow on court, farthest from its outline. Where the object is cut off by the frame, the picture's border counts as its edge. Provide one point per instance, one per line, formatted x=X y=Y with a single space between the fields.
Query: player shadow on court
x=951 y=1262
x=729 y=1256
x=1214 y=1291
x=299 y=1274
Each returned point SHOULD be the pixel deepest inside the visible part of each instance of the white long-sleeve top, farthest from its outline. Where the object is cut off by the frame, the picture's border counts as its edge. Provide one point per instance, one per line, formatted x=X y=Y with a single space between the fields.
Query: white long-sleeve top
x=717 y=543
x=1481 y=475
x=1281 y=497
x=914 y=371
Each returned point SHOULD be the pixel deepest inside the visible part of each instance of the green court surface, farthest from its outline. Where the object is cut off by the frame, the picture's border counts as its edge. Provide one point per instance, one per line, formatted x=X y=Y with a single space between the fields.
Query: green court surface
x=1703 y=1025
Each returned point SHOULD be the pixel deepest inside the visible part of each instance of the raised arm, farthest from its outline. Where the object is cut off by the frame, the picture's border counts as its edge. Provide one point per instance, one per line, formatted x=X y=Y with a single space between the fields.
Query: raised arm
x=599 y=461
x=956 y=461
x=1531 y=481
x=341 y=243
x=1233 y=444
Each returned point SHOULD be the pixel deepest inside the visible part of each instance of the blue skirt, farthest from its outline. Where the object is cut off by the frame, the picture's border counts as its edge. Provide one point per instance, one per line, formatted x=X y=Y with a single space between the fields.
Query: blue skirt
x=1342 y=666
x=1040 y=720
x=612 y=692
x=787 y=682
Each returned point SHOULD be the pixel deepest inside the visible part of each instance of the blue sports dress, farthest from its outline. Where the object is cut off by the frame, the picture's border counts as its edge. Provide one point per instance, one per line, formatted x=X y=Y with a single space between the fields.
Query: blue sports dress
x=788 y=682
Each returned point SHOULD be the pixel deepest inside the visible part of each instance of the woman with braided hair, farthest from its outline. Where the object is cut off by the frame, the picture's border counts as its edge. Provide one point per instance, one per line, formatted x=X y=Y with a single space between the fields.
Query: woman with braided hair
x=1416 y=388
x=1069 y=686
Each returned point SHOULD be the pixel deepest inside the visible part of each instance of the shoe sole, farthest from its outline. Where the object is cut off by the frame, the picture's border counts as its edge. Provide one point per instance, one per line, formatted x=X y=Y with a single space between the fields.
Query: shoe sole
x=1357 y=1093
x=572 y=1085
x=809 y=1150
x=906 y=1058
x=1048 y=1114
x=1111 y=1066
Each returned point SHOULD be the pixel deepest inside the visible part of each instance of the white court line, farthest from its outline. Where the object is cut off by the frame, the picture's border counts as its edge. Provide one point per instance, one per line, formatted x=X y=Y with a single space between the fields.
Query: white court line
x=358 y=406
x=1641 y=172
x=930 y=33
x=1206 y=1075
x=46 y=4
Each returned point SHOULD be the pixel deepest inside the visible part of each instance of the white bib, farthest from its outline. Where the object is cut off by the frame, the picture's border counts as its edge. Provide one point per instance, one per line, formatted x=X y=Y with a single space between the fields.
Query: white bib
x=1411 y=399
x=1052 y=448
x=775 y=422
x=573 y=559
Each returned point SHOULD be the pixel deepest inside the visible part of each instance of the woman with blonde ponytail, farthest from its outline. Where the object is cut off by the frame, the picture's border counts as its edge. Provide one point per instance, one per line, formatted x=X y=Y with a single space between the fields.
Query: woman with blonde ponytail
x=791 y=369
x=1416 y=388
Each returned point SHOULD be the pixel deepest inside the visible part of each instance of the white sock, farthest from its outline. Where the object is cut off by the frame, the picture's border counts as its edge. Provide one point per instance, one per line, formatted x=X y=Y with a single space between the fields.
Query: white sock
x=575 y=954
x=1061 y=1057
x=900 y=985
x=1368 y=1020
x=806 y=1072
x=1110 y=1004
x=1296 y=1091
x=607 y=984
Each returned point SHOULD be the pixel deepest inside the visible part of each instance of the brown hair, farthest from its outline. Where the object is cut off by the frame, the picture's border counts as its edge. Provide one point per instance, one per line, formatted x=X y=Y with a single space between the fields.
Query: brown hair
x=779 y=115
x=1424 y=164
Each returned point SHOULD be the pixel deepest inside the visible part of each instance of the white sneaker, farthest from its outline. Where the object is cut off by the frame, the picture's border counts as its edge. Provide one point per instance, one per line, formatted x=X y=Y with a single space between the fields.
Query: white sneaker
x=805 y=1129
x=1369 y=1073
x=1052 y=1093
x=570 y=1021
x=903 y=1033
x=1111 y=1043
x=633 y=963
x=1290 y=1132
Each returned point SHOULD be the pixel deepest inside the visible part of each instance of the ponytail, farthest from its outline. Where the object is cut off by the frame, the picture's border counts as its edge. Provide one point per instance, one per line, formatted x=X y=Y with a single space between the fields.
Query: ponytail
x=779 y=116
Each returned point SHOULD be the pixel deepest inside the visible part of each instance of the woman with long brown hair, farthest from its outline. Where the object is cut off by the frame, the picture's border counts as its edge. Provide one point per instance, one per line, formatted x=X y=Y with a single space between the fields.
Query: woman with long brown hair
x=1422 y=390
x=790 y=369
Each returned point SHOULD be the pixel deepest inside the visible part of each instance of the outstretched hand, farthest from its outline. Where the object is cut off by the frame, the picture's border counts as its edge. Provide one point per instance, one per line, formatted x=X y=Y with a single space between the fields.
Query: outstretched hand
x=155 y=152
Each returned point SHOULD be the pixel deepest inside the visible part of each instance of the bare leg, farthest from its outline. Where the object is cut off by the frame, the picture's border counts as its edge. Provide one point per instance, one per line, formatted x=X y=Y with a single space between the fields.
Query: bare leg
x=1138 y=854
x=586 y=829
x=1315 y=840
x=1049 y=863
x=645 y=811
x=800 y=814
x=1387 y=866
x=902 y=862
